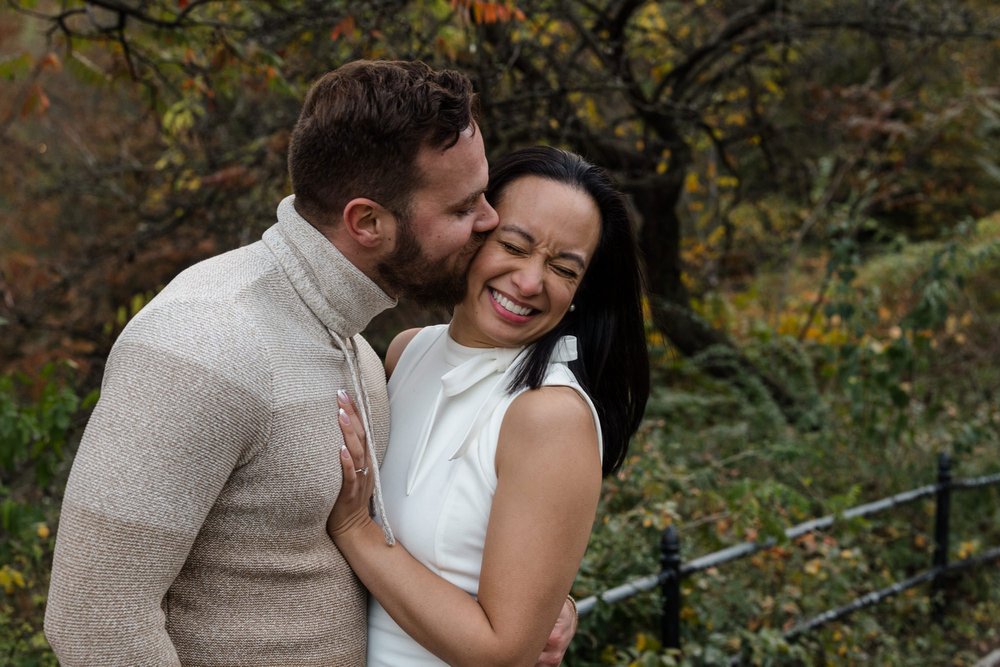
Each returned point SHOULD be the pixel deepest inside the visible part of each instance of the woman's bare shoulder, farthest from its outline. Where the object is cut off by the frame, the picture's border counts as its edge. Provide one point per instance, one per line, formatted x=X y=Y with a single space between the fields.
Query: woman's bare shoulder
x=396 y=348
x=555 y=415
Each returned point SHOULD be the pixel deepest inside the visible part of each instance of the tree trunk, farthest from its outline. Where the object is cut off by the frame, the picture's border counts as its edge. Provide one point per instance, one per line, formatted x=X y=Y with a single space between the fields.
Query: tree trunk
x=670 y=302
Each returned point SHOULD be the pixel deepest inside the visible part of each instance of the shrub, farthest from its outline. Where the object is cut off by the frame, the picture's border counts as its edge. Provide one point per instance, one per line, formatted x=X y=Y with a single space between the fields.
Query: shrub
x=38 y=418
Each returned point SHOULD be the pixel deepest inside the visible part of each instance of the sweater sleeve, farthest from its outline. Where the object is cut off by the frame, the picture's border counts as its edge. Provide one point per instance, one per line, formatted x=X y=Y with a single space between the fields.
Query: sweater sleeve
x=185 y=399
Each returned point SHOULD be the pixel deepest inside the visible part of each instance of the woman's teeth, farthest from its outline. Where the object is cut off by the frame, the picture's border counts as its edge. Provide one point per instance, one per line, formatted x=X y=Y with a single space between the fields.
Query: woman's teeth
x=508 y=304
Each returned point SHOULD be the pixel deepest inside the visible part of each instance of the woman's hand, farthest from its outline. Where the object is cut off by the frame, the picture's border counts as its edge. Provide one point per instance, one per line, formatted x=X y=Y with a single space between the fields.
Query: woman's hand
x=352 y=507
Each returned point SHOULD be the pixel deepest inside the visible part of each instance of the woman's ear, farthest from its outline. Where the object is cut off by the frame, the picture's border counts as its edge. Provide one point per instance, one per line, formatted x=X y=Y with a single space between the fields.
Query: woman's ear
x=369 y=223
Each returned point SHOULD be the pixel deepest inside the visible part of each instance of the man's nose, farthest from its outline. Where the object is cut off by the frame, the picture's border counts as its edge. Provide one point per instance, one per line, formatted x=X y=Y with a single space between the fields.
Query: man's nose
x=487 y=218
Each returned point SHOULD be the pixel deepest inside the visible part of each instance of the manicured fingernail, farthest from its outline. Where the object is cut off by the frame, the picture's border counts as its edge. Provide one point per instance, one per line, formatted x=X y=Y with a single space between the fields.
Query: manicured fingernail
x=344 y=454
x=342 y=395
x=344 y=418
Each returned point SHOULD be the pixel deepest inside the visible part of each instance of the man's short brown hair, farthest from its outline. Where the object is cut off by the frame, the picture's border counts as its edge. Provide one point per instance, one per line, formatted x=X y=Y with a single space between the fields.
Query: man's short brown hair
x=361 y=128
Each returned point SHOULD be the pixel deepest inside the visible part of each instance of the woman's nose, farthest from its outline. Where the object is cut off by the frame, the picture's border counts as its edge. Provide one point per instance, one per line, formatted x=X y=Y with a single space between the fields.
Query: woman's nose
x=528 y=278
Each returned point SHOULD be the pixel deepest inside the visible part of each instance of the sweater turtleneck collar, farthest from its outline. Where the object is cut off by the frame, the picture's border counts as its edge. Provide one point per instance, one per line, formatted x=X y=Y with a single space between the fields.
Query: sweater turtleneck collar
x=336 y=291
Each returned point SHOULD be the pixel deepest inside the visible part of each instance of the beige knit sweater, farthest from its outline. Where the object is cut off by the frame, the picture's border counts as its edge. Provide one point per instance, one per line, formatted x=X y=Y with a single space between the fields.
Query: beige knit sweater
x=193 y=526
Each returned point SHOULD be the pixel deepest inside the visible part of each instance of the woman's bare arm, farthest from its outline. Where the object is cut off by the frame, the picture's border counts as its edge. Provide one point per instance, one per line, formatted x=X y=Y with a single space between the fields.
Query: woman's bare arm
x=549 y=476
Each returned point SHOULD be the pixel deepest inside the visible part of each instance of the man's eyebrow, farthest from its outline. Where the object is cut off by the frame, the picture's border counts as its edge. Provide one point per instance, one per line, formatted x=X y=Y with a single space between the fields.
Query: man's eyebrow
x=471 y=199
x=572 y=256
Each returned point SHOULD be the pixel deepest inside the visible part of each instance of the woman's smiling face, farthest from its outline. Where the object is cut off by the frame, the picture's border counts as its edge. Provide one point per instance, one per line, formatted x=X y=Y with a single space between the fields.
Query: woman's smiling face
x=525 y=276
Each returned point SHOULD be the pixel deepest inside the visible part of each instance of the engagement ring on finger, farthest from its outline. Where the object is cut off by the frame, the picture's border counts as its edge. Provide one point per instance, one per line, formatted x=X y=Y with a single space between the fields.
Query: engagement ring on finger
x=361 y=471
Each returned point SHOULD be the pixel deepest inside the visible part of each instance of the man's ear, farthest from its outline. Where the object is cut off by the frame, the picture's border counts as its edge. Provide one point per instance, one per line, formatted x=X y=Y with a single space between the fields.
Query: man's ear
x=367 y=222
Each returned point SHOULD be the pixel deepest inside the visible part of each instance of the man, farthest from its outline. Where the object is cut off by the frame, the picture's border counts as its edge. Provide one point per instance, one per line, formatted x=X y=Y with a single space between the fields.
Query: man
x=193 y=525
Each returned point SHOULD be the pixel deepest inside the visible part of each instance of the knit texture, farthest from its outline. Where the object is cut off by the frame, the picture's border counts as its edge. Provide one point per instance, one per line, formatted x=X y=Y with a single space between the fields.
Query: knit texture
x=193 y=529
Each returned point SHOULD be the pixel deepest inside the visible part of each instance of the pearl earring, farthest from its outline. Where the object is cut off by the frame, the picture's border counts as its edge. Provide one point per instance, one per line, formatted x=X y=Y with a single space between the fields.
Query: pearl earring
x=572 y=307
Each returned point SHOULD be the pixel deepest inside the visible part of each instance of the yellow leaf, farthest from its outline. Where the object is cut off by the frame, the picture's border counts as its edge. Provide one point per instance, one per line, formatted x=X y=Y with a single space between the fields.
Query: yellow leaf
x=737 y=119
x=691 y=183
x=10 y=579
x=966 y=549
x=43 y=531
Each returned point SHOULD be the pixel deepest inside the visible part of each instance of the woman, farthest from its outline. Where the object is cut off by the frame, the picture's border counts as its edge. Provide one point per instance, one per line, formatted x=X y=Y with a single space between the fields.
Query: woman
x=503 y=422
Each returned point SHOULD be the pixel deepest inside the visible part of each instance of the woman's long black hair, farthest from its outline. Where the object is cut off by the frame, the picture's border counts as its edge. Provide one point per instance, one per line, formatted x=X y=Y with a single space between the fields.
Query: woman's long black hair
x=613 y=363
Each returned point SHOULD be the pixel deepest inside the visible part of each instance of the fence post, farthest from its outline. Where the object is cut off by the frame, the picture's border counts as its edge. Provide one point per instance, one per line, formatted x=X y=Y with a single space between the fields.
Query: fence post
x=670 y=587
x=941 y=514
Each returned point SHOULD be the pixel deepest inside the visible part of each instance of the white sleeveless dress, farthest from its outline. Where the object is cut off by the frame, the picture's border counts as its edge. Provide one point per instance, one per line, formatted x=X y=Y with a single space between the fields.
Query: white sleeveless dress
x=447 y=403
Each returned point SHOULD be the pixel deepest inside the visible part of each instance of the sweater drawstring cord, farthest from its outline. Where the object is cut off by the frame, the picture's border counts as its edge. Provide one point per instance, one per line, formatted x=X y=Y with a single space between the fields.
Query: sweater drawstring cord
x=362 y=395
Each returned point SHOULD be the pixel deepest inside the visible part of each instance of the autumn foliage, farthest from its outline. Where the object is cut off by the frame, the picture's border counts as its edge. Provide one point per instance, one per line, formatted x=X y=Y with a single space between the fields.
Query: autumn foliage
x=815 y=185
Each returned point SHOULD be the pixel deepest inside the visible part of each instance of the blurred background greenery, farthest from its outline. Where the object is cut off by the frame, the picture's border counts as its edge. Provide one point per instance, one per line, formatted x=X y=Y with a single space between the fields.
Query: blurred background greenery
x=816 y=187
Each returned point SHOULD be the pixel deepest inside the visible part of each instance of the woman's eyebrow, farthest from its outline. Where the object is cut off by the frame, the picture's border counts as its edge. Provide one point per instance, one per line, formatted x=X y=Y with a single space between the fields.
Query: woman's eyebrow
x=573 y=257
x=519 y=231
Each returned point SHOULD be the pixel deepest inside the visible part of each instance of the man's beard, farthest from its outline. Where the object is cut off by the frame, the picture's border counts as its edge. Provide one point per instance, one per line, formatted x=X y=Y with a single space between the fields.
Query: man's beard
x=409 y=273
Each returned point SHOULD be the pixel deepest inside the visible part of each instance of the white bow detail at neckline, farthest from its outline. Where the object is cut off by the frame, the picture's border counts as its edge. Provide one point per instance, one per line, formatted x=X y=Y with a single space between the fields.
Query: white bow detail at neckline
x=498 y=360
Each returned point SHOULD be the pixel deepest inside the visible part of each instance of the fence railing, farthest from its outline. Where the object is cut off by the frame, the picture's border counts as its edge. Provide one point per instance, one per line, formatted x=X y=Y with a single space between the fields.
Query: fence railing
x=674 y=570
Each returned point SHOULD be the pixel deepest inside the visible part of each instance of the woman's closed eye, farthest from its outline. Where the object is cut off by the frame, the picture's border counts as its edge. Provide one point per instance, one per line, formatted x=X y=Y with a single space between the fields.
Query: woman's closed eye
x=565 y=271
x=512 y=248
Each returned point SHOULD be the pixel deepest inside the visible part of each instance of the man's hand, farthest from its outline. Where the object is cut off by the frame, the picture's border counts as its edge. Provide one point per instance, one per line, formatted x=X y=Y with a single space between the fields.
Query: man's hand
x=560 y=637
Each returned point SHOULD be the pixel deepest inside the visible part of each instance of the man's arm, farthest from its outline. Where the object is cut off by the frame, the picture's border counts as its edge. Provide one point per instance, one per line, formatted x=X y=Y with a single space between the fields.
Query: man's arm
x=160 y=445
x=560 y=637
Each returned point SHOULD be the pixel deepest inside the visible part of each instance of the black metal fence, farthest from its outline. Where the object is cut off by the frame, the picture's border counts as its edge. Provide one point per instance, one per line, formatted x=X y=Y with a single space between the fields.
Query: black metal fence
x=674 y=570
